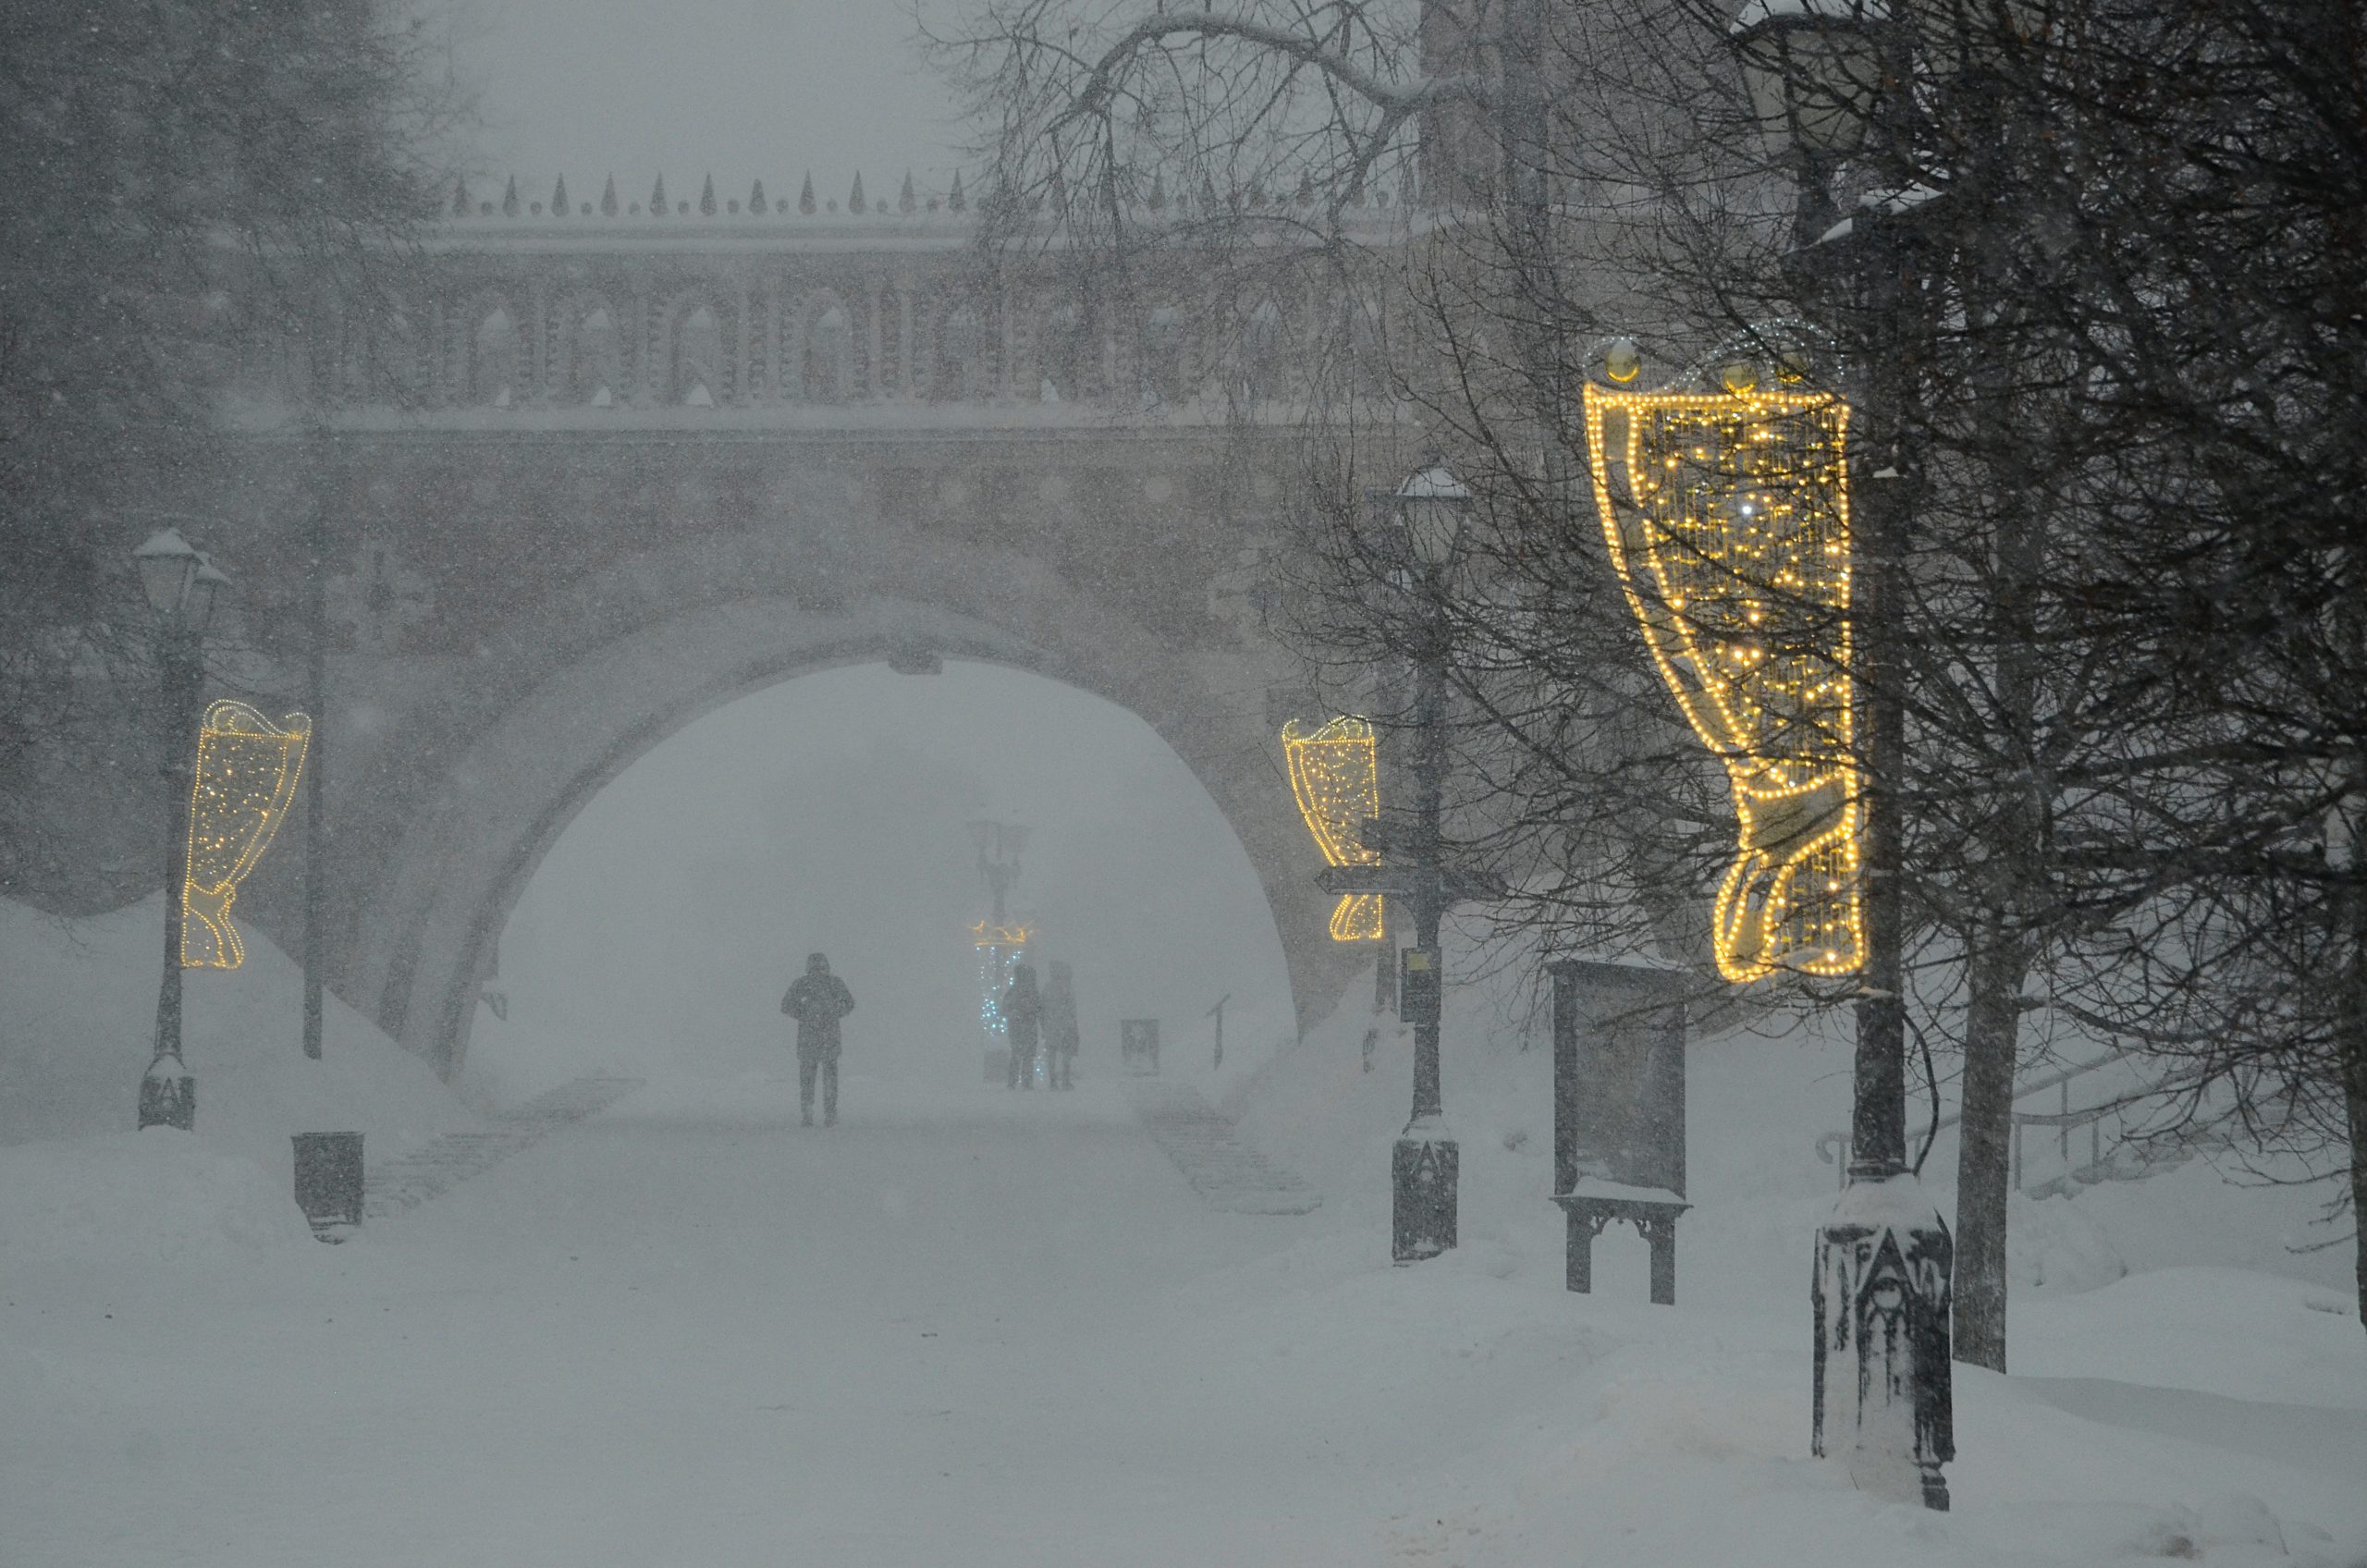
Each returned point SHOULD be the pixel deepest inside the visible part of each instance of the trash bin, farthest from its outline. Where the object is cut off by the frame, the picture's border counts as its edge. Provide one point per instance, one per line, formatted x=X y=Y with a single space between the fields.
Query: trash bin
x=328 y=1182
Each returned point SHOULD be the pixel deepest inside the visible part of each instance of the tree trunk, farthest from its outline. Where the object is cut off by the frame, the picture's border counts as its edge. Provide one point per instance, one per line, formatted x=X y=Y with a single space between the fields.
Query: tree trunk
x=2355 y=1095
x=1984 y=1160
x=2350 y=1048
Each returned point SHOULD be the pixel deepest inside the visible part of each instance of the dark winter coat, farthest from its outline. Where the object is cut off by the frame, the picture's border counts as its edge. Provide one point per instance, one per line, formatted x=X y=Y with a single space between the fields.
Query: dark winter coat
x=817 y=1002
x=1061 y=1035
x=1022 y=1012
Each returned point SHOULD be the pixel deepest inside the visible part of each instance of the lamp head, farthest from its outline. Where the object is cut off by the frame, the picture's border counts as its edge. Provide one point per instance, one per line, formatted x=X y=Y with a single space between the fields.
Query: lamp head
x=205 y=586
x=167 y=564
x=1814 y=71
x=1436 y=508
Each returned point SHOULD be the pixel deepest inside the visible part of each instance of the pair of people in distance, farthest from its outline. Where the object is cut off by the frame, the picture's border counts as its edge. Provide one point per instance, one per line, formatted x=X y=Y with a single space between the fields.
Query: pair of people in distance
x=1041 y=1021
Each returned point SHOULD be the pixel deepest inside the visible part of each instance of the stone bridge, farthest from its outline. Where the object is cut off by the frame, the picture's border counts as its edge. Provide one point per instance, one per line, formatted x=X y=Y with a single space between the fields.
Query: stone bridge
x=613 y=468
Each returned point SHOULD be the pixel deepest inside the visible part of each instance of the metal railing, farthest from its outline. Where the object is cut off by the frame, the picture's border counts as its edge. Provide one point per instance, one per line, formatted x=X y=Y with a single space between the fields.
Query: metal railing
x=1833 y=1147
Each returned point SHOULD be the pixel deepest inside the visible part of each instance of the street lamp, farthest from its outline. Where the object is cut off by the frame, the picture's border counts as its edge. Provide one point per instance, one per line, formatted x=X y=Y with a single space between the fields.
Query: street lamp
x=181 y=586
x=1814 y=74
x=1434 y=509
x=1826 y=78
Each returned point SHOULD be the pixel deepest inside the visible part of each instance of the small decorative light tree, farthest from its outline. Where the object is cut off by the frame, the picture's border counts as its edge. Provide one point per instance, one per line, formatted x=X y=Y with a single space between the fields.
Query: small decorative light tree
x=998 y=942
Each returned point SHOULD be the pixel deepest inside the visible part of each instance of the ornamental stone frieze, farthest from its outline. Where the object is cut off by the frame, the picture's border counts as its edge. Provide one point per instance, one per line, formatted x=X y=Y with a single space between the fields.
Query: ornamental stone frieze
x=770 y=313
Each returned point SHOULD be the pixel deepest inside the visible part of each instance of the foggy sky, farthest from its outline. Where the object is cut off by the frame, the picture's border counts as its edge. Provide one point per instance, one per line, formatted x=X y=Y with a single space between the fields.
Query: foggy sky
x=828 y=813
x=742 y=89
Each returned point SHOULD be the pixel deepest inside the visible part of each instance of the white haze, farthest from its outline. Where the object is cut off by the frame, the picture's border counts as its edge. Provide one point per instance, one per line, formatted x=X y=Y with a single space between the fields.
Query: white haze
x=744 y=90
x=828 y=813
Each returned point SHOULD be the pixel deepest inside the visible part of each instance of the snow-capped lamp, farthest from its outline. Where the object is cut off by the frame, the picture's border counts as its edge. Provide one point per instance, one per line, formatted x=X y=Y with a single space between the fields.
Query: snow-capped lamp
x=182 y=586
x=1435 y=508
x=1432 y=509
x=1814 y=71
x=178 y=581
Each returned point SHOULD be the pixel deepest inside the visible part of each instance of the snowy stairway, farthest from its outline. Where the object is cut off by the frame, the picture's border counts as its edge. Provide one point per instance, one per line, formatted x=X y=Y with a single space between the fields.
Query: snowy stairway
x=1229 y=1175
x=432 y=1168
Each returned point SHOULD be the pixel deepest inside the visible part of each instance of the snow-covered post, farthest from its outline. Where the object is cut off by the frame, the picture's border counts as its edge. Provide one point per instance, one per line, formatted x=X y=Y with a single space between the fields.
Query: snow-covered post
x=1884 y=1386
x=1832 y=80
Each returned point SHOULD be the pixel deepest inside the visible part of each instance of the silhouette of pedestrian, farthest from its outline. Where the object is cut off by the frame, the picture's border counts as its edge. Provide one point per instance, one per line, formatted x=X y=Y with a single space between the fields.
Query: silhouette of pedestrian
x=1022 y=1016
x=817 y=999
x=1059 y=1028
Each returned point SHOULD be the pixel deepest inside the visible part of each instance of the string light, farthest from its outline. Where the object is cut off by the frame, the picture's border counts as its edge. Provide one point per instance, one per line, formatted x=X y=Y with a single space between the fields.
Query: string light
x=1335 y=775
x=999 y=948
x=247 y=771
x=1734 y=551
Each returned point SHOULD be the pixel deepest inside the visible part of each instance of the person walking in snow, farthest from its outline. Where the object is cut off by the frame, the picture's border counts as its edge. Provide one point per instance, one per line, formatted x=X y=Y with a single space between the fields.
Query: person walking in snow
x=1059 y=1028
x=817 y=999
x=1023 y=1017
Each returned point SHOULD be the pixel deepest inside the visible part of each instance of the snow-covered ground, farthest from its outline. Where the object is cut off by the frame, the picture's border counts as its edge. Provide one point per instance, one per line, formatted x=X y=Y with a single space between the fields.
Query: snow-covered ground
x=980 y=1328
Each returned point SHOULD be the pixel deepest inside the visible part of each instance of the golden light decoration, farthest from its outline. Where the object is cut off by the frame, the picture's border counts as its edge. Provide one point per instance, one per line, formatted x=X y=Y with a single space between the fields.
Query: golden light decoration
x=1732 y=541
x=1335 y=774
x=247 y=771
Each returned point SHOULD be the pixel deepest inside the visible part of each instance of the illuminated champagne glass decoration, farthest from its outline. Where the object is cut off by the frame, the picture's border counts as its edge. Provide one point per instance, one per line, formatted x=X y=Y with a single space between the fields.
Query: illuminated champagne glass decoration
x=1335 y=774
x=1730 y=531
x=247 y=772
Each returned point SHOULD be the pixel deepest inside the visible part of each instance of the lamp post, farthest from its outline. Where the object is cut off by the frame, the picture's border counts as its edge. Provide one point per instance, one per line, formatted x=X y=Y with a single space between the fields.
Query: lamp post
x=181 y=586
x=1434 y=509
x=1000 y=844
x=1829 y=80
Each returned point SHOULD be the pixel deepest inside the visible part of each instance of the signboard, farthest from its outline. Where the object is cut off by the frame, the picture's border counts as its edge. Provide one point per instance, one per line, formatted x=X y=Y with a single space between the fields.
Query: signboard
x=1418 y=984
x=1618 y=1076
x=1455 y=887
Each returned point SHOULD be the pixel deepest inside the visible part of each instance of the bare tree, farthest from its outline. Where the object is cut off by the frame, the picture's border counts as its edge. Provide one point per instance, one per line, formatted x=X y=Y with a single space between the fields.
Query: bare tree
x=2119 y=381
x=150 y=147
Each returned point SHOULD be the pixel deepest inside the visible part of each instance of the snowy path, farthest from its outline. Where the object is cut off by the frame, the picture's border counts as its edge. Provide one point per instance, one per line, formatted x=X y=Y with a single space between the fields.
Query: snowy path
x=688 y=1332
x=1226 y=1173
x=1001 y=1329
x=411 y=1178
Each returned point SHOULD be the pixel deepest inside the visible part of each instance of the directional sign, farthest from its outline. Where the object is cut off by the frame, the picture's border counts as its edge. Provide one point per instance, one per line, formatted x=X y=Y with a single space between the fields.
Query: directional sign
x=1458 y=887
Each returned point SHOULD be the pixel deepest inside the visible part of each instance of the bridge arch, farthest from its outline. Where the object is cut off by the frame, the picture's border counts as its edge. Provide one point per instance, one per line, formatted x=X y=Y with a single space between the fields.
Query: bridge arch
x=577 y=690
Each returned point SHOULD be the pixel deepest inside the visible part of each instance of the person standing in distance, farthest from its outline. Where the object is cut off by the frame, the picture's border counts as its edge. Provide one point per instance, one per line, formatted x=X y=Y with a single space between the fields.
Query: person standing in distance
x=1059 y=1028
x=817 y=999
x=1022 y=1016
